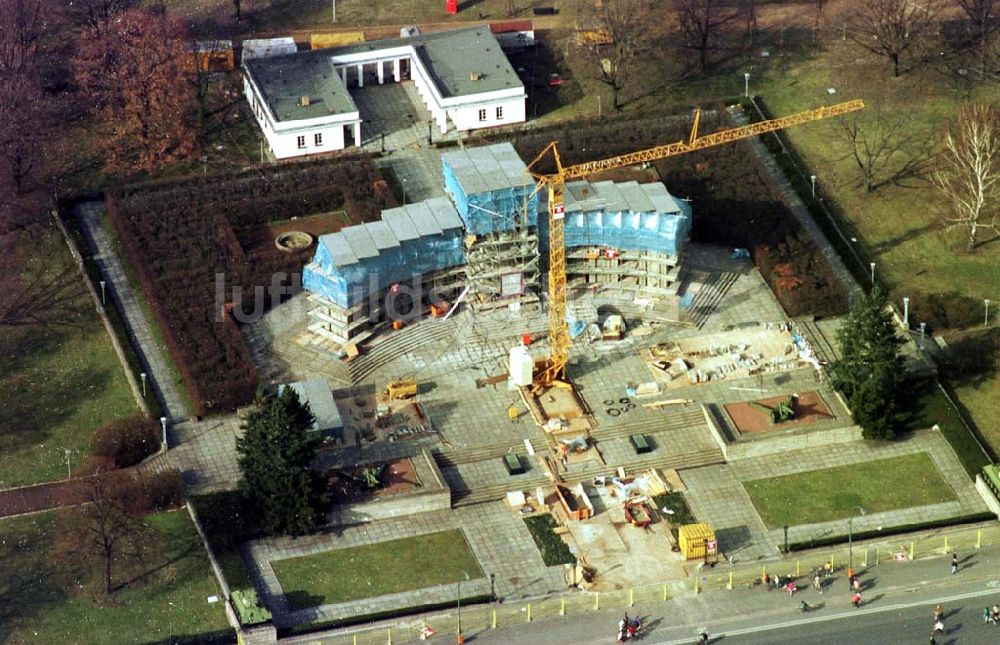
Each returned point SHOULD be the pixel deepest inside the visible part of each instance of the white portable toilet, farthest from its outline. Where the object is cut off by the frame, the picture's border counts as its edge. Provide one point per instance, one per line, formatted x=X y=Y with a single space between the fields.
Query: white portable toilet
x=521 y=365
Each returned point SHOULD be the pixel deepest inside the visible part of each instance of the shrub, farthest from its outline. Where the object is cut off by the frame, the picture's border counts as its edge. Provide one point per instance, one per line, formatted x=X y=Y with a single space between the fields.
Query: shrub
x=554 y=550
x=971 y=354
x=162 y=491
x=127 y=441
x=945 y=310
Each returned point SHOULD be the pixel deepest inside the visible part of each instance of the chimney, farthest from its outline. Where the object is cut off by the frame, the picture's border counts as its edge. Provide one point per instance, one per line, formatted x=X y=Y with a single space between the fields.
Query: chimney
x=475 y=76
x=304 y=101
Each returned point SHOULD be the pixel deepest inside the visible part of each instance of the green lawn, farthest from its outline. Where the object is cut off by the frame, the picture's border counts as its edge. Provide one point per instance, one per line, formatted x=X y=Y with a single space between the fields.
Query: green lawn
x=932 y=407
x=377 y=569
x=39 y=603
x=836 y=493
x=59 y=381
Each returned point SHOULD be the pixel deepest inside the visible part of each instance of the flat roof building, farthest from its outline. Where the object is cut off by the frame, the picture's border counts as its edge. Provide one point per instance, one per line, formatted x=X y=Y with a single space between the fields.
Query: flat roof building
x=303 y=105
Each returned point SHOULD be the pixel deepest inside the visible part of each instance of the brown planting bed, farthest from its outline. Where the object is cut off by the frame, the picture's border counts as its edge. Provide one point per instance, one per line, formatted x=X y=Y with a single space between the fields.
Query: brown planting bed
x=809 y=408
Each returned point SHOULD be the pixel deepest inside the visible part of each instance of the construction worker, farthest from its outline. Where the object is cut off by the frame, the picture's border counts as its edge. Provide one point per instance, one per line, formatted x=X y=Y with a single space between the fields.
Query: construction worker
x=513 y=414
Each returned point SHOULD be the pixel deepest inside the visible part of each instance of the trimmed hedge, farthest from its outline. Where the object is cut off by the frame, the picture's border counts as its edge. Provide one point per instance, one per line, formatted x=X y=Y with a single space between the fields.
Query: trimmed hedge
x=127 y=441
x=307 y=628
x=249 y=608
x=892 y=530
x=554 y=550
x=191 y=240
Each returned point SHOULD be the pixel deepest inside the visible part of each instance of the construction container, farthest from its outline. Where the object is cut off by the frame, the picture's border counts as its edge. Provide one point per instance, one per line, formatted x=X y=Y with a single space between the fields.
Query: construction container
x=697 y=541
x=521 y=366
x=402 y=389
x=526 y=339
x=397 y=324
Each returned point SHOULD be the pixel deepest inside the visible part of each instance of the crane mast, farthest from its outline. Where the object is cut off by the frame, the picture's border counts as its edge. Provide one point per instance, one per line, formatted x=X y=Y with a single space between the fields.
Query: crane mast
x=555 y=369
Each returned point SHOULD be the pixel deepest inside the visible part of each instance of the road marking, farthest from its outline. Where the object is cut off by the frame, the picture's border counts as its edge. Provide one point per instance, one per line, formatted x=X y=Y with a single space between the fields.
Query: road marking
x=813 y=619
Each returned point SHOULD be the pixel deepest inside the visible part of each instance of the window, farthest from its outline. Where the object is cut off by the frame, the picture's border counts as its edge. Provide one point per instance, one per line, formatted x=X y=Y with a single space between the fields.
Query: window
x=318 y=138
x=482 y=115
x=301 y=141
x=500 y=112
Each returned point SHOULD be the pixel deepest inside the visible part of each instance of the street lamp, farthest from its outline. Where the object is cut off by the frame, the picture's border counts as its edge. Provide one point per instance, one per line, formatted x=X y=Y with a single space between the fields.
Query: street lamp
x=403 y=179
x=459 y=638
x=103 y=283
x=923 y=328
x=850 y=541
x=163 y=424
x=872 y=265
x=746 y=84
x=69 y=474
x=334 y=4
x=812 y=180
x=906 y=311
x=986 y=320
x=142 y=377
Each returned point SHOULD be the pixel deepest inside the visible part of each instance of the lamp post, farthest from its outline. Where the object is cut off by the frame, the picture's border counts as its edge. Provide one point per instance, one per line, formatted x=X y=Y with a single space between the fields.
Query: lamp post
x=403 y=180
x=850 y=541
x=746 y=84
x=69 y=474
x=923 y=328
x=163 y=424
x=103 y=283
x=459 y=638
x=812 y=180
x=986 y=319
x=906 y=311
x=872 y=265
x=333 y=4
x=142 y=377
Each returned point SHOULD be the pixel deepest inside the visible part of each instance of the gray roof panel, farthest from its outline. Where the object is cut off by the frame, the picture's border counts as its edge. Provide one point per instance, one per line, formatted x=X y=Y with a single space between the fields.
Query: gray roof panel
x=382 y=235
x=444 y=213
x=422 y=218
x=400 y=223
x=360 y=241
x=636 y=198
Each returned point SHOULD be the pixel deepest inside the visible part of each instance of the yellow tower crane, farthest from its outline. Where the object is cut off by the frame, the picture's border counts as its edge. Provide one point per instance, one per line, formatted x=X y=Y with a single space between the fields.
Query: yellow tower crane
x=555 y=369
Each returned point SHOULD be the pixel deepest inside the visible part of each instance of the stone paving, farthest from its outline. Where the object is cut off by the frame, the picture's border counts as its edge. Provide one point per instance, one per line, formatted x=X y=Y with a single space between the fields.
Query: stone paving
x=497 y=537
x=119 y=290
x=716 y=494
x=396 y=111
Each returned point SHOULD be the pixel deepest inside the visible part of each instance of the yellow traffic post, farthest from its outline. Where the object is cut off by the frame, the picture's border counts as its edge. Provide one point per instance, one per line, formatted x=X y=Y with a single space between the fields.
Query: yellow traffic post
x=494 y=619
x=798 y=569
x=833 y=567
x=665 y=590
x=729 y=586
x=389 y=635
x=355 y=639
x=864 y=563
x=529 y=612
x=562 y=606
x=697 y=585
x=597 y=600
x=763 y=571
x=912 y=552
x=631 y=601
x=876 y=556
x=946 y=544
x=979 y=538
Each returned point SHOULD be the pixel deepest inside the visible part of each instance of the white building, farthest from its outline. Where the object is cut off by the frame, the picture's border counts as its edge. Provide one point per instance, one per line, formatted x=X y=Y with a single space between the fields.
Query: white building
x=303 y=105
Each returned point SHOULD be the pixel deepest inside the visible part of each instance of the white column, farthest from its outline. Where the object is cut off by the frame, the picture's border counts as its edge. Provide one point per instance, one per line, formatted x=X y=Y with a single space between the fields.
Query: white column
x=361 y=75
x=395 y=70
x=381 y=72
x=357 y=134
x=443 y=121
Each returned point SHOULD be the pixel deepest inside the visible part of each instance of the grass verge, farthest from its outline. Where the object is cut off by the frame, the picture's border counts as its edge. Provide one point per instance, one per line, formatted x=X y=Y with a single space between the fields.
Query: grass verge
x=931 y=407
x=837 y=493
x=377 y=569
x=42 y=603
x=61 y=379
x=554 y=551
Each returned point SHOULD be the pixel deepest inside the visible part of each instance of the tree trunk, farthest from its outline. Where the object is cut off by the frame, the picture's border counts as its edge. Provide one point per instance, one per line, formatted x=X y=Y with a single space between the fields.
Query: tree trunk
x=973 y=232
x=895 y=64
x=107 y=575
x=614 y=97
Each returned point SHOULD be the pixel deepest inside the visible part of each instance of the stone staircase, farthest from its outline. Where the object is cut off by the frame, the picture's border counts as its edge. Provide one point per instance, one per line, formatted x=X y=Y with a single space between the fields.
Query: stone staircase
x=393 y=344
x=451 y=458
x=679 y=419
x=824 y=346
x=712 y=292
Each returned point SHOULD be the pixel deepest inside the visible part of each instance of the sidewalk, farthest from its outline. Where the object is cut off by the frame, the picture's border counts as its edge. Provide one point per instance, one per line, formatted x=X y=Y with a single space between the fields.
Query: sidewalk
x=89 y=216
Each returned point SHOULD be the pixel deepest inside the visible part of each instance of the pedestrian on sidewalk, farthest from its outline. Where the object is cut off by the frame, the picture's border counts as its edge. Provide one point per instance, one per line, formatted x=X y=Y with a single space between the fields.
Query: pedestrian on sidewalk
x=856 y=584
x=986 y=614
x=827 y=569
x=954 y=563
x=791 y=589
x=621 y=630
x=817 y=583
x=856 y=600
x=938 y=613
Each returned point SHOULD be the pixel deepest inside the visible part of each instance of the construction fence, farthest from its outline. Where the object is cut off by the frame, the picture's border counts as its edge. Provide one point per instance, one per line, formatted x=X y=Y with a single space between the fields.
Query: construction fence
x=480 y=618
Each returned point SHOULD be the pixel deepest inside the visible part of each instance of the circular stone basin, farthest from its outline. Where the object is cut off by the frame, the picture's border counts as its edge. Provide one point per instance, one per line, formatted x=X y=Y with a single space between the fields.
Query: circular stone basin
x=293 y=241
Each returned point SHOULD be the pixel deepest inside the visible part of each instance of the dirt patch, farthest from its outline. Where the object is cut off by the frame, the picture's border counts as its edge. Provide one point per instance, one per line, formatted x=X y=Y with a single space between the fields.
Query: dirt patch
x=397 y=476
x=809 y=408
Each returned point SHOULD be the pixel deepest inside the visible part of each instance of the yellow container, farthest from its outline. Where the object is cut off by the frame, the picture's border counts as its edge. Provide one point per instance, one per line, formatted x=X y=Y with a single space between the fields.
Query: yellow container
x=694 y=539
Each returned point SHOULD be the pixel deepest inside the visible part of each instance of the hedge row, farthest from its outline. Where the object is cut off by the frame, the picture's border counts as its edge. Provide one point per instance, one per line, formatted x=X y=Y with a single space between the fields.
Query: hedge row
x=861 y=536
x=185 y=236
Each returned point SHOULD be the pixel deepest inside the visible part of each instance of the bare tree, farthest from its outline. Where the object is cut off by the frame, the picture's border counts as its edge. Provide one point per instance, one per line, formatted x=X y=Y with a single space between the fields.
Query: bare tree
x=109 y=530
x=984 y=18
x=623 y=31
x=890 y=28
x=969 y=172
x=875 y=141
x=700 y=23
x=237 y=10
x=751 y=13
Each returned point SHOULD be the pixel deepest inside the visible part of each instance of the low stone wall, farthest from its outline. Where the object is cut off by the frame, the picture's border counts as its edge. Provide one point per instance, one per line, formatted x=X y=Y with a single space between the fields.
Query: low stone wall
x=984 y=491
x=434 y=494
x=797 y=439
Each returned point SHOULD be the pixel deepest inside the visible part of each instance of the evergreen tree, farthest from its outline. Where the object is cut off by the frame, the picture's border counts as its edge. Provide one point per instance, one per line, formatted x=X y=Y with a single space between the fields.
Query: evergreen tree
x=870 y=371
x=274 y=455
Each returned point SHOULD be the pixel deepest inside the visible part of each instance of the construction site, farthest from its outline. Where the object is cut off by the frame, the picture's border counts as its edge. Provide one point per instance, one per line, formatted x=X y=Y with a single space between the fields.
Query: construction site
x=559 y=347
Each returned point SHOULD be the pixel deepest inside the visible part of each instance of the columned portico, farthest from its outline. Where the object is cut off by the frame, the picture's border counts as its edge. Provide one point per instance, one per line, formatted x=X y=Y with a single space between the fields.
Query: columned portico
x=381 y=73
x=361 y=74
x=357 y=134
x=396 y=76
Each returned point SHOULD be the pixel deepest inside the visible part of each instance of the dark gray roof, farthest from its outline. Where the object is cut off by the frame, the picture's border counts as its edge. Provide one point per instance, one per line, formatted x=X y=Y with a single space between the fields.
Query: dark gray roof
x=317 y=394
x=284 y=80
x=451 y=57
x=613 y=197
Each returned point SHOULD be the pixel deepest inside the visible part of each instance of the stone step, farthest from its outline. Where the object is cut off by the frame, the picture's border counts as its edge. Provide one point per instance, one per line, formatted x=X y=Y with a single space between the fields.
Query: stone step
x=822 y=344
x=710 y=295
x=449 y=458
